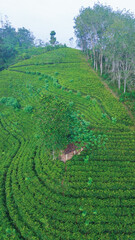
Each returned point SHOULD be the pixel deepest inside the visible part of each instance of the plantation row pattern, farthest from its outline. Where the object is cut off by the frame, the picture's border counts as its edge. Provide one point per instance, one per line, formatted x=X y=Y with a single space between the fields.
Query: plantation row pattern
x=39 y=199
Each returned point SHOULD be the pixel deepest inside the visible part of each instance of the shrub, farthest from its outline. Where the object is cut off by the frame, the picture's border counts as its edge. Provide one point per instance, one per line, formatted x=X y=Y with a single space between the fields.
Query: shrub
x=10 y=101
x=56 y=73
x=39 y=90
x=28 y=109
x=46 y=80
x=78 y=94
x=3 y=100
x=58 y=85
x=71 y=80
x=71 y=103
x=121 y=99
x=114 y=120
x=70 y=91
x=94 y=101
x=46 y=86
x=38 y=73
x=104 y=115
x=55 y=81
x=88 y=97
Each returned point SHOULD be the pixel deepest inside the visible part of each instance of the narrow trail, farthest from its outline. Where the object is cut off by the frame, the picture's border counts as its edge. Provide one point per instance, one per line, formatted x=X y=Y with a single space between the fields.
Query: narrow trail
x=114 y=94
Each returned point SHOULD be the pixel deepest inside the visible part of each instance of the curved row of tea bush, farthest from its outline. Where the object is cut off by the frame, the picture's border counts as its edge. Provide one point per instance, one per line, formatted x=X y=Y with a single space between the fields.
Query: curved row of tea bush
x=71 y=75
x=82 y=199
x=98 y=115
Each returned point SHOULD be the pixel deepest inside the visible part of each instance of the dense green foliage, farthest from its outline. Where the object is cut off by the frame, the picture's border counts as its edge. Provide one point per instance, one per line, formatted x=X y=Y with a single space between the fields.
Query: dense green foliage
x=108 y=37
x=88 y=197
x=20 y=44
x=13 y=43
x=60 y=125
x=52 y=37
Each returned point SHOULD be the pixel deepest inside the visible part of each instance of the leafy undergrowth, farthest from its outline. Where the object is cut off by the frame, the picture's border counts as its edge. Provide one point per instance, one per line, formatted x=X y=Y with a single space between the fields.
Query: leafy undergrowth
x=92 y=197
x=127 y=98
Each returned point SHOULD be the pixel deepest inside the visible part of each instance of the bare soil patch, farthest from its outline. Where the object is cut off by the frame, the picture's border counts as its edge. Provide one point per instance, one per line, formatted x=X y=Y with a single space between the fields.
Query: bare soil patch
x=69 y=152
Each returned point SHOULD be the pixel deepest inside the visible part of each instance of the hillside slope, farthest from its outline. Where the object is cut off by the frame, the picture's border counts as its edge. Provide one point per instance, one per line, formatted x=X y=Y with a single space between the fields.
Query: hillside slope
x=39 y=199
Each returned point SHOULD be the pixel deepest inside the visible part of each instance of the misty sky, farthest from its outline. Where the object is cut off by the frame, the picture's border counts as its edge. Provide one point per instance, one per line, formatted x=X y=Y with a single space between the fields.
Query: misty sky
x=43 y=16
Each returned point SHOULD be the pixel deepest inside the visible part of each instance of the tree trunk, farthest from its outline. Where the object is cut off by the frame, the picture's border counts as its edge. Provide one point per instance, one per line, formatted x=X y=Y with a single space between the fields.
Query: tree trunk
x=119 y=75
x=126 y=75
x=101 y=64
x=96 y=66
x=125 y=83
x=94 y=58
x=113 y=66
x=119 y=83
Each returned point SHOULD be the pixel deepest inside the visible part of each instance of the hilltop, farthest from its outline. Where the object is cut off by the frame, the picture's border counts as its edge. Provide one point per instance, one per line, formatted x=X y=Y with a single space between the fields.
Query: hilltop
x=92 y=195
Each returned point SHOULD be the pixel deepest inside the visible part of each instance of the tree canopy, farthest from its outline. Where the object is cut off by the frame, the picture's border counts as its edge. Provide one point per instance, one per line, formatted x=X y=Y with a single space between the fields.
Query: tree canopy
x=12 y=42
x=60 y=125
x=109 y=37
x=52 y=37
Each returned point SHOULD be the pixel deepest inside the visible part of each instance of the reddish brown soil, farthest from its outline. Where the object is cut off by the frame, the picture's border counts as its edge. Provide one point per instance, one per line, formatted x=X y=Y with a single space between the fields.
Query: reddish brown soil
x=69 y=152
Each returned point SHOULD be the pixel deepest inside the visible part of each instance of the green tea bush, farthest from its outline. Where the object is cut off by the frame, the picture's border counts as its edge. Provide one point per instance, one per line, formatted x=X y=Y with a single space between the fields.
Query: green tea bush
x=56 y=73
x=28 y=109
x=104 y=115
x=70 y=91
x=46 y=86
x=58 y=85
x=78 y=93
x=55 y=81
x=10 y=101
x=88 y=97
x=114 y=120
x=38 y=73
x=45 y=199
x=71 y=80
x=71 y=103
x=94 y=101
x=3 y=100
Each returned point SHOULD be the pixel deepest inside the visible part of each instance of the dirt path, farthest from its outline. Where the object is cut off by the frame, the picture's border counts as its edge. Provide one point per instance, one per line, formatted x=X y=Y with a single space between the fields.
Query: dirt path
x=115 y=95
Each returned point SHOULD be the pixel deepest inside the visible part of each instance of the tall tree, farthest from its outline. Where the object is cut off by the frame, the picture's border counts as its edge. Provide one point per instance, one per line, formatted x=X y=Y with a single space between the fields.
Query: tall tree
x=109 y=38
x=25 y=38
x=52 y=37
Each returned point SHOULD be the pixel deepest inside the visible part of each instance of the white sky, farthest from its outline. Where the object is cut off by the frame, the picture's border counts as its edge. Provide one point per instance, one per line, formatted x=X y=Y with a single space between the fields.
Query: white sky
x=43 y=16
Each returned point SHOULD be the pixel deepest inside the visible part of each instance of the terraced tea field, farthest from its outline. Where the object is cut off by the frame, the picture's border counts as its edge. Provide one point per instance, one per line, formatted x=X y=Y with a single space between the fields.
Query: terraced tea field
x=78 y=200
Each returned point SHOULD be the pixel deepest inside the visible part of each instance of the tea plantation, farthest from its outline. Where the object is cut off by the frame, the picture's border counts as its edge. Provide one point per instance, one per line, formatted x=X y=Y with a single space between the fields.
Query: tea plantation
x=91 y=196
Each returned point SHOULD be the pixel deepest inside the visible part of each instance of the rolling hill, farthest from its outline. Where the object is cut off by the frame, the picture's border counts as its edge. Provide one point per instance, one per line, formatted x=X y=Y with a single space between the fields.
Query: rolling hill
x=39 y=199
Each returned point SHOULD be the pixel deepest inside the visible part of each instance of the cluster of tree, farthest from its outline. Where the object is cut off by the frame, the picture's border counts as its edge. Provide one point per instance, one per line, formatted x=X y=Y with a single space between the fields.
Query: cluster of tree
x=59 y=125
x=12 y=42
x=108 y=37
x=21 y=44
